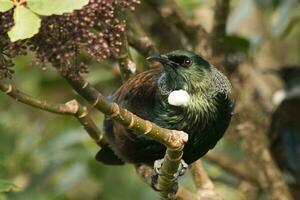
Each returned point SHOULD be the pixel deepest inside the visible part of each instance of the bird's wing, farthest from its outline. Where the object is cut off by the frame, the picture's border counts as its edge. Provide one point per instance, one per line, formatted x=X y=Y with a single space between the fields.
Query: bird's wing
x=138 y=94
x=107 y=156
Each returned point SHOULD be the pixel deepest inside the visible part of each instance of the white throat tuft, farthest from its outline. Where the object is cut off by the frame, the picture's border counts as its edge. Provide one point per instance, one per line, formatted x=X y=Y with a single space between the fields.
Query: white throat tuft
x=179 y=98
x=278 y=97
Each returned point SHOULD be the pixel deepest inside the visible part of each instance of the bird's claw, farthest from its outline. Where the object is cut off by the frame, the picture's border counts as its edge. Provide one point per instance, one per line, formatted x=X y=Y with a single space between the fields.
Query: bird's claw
x=154 y=179
x=181 y=169
x=173 y=192
x=157 y=166
x=154 y=186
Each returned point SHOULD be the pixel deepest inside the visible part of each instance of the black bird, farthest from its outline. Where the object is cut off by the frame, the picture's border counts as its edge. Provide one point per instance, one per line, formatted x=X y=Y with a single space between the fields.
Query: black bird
x=186 y=93
x=284 y=129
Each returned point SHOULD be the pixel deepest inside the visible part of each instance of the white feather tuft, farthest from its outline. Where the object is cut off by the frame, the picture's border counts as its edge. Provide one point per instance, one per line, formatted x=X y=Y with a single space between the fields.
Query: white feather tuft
x=278 y=97
x=179 y=98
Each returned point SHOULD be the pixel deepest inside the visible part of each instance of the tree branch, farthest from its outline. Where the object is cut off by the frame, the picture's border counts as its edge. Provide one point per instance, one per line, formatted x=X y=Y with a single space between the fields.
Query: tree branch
x=200 y=177
x=126 y=65
x=172 y=160
x=83 y=116
x=205 y=187
x=10 y=90
x=172 y=139
x=70 y=108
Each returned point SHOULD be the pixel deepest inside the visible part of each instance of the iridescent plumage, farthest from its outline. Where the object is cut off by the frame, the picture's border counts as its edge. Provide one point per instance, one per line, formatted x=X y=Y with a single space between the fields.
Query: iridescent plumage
x=205 y=118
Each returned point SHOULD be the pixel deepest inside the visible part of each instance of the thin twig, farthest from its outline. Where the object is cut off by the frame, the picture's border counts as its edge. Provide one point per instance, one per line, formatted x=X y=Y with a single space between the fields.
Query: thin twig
x=126 y=65
x=10 y=90
x=205 y=187
x=200 y=178
x=83 y=116
x=70 y=108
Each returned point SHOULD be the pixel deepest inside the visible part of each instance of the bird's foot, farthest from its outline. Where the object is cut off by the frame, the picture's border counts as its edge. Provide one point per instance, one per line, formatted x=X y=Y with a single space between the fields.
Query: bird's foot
x=154 y=186
x=157 y=166
x=154 y=178
x=181 y=171
x=154 y=181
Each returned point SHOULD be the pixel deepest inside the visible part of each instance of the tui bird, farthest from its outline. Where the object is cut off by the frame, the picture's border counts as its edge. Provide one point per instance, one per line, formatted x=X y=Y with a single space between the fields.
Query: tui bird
x=185 y=93
x=284 y=131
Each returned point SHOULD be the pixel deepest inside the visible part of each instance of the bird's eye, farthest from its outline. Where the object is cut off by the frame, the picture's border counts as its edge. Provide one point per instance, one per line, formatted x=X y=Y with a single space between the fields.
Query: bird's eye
x=187 y=62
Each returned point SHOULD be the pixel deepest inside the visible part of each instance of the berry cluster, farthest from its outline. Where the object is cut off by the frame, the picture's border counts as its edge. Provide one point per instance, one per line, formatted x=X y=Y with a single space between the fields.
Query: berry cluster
x=95 y=30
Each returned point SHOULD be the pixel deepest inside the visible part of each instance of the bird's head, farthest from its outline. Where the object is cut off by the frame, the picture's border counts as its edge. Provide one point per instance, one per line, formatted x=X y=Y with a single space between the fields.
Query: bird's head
x=181 y=63
x=188 y=71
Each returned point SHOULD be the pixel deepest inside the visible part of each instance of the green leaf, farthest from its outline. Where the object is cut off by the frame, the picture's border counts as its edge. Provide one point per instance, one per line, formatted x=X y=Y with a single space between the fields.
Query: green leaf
x=57 y=7
x=7 y=186
x=27 y=24
x=6 y=5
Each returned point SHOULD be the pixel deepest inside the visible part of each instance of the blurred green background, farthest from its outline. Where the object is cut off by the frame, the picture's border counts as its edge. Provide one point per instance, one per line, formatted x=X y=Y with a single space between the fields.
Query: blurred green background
x=48 y=156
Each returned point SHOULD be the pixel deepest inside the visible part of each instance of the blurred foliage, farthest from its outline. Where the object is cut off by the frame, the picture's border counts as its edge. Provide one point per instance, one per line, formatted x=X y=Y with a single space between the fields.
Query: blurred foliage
x=7 y=186
x=51 y=157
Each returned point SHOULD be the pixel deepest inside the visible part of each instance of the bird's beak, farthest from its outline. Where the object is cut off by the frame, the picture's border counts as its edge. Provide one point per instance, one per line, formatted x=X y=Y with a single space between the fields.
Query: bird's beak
x=163 y=59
